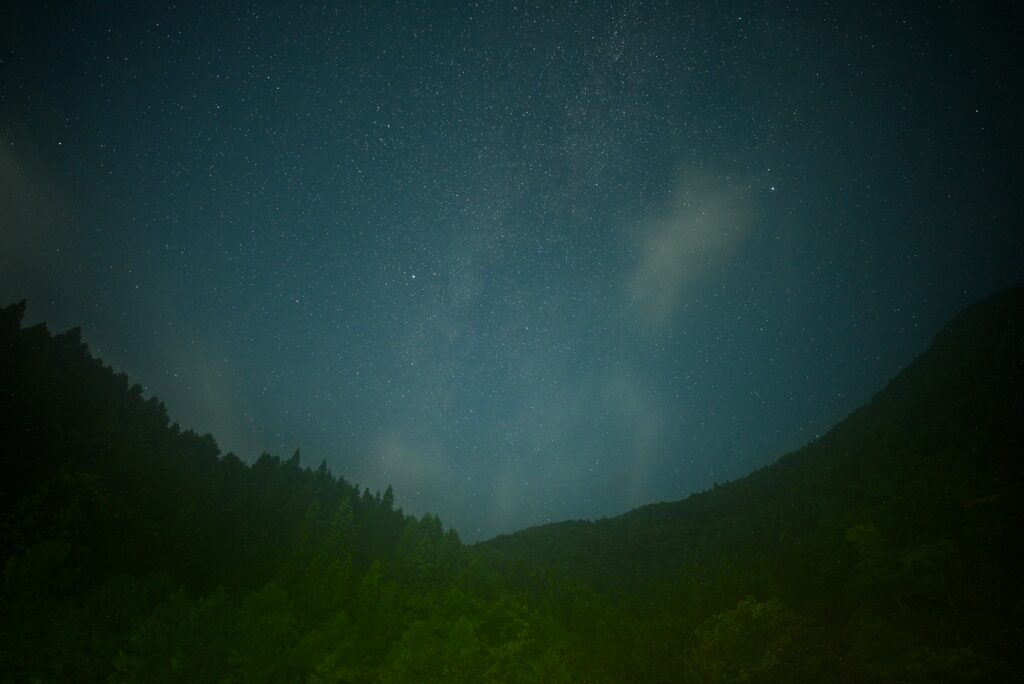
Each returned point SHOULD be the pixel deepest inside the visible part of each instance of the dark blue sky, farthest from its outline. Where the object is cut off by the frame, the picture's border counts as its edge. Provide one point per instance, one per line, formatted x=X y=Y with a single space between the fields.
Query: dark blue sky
x=523 y=261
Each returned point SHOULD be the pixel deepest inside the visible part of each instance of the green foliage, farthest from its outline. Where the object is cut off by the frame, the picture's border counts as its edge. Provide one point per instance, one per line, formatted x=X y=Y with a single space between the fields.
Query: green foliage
x=754 y=642
x=896 y=533
x=133 y=551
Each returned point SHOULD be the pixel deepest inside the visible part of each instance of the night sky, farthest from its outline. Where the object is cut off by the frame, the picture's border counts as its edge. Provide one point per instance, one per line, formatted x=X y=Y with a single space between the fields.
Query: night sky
x=524 y=262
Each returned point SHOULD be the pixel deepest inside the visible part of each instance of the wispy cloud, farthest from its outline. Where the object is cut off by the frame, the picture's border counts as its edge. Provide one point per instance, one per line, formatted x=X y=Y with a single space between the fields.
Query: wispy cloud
x=30 y=207
x=642 y=417
x=684 y=242
x=415 y=463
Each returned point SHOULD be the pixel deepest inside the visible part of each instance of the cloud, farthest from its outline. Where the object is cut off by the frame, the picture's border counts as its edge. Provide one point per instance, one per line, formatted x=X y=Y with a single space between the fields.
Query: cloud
x=415 y=464
x=643 y=417
x=508 y=498
x=683 y=243
x=30 y=207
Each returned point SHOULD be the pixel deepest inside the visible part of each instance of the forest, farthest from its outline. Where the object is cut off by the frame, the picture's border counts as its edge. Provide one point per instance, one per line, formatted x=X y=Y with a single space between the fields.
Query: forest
x=888 y=550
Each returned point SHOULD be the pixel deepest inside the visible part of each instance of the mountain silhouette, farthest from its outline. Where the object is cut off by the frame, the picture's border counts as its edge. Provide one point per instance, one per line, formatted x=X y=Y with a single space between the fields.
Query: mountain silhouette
x=887 y=550
x=898 y=531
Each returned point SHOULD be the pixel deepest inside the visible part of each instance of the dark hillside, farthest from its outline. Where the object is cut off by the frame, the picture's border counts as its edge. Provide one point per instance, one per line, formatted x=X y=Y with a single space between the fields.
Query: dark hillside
x=135 y=551
x=901 y=524
x=888 y=550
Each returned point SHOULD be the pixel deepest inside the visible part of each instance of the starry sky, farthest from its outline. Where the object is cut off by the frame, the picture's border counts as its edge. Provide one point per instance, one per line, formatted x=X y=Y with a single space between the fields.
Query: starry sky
x=523 y=261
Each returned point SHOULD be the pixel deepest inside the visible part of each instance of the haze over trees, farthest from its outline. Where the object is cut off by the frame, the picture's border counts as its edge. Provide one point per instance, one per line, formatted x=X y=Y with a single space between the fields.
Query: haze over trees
x=888 y=550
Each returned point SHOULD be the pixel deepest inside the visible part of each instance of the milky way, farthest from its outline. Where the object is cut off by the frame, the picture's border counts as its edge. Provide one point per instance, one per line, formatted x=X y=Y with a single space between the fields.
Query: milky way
x=524 y=262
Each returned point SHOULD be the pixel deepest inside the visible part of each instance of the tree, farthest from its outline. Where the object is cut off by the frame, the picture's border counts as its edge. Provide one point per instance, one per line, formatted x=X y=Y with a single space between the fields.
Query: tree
x=757 y=641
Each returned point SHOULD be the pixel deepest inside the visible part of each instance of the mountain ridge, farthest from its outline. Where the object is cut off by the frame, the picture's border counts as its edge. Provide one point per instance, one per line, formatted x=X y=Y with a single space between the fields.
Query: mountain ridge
x=886 y=550
x=902 y=514
x=1003 y=307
